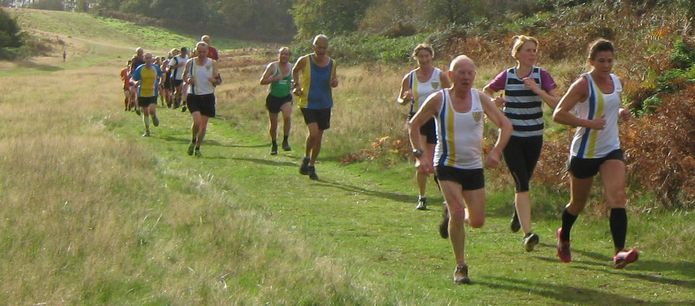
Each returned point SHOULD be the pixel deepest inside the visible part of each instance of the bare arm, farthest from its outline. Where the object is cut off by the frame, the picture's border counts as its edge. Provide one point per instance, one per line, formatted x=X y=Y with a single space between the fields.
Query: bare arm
x=444 y=80
x=406 y=94
x=499 y=100
x=267 y=76
x=334 y=77
x=505 y=126
x=296 y=71
x=215 y=80
x=578 y=92
x=550 y=97
x=185 y=77
x=429 y=109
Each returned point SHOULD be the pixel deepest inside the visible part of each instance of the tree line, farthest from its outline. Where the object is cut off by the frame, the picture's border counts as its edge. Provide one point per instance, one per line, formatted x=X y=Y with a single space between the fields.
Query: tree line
x=284 y=20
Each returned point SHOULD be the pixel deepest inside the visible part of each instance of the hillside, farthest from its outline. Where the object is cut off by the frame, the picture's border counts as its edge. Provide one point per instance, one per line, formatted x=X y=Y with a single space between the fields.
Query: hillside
x=92 y=213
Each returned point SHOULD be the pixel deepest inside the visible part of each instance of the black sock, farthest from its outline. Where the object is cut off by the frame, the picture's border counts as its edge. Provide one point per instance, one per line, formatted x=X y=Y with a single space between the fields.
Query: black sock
x=618 y=224
x=567 y=222
x=284 y=138
x=193 y=140
x=275 y=143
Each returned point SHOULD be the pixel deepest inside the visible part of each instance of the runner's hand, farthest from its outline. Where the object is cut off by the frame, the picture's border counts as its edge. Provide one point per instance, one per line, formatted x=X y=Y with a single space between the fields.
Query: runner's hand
x=423 y=166
x=493 y=158
x=598 y=123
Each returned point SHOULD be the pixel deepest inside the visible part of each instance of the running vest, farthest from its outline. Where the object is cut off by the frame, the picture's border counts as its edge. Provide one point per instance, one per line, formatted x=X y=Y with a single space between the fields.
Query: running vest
x=422 y=90
x=281 y=88
x=316 y=85
x=459 y=135
x=201 y=74
x=590 y=143
x=177 y=62
x=149 y=80
x=523 y=107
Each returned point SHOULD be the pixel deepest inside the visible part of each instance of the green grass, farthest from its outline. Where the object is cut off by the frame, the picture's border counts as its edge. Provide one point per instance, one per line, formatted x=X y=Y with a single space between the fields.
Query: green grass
x=95 y=214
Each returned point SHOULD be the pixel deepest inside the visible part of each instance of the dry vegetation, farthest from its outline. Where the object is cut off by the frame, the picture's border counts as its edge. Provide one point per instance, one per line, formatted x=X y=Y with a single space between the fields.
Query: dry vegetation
x=89 y=218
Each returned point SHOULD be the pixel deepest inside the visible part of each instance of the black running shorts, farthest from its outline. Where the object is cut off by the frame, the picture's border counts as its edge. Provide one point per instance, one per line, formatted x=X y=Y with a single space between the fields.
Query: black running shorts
x=322 y=117
x=469 y=179
x=205 y=104
x=588 y=167
x=273 y=103
x=146 y=101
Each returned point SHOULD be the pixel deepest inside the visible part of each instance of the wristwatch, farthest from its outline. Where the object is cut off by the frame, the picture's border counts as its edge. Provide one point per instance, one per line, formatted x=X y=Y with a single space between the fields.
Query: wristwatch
x=417 y=152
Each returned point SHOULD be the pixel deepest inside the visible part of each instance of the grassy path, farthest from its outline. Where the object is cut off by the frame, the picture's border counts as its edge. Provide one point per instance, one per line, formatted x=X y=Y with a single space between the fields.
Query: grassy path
x=92 y=213
x=364 y=216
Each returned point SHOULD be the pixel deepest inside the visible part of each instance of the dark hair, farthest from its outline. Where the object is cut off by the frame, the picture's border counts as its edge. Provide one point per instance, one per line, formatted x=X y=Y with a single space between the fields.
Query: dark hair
x=600 y=45
x=184 y=49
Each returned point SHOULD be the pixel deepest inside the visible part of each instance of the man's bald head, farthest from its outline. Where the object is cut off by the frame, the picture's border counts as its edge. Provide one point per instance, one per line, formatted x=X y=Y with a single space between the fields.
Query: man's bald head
x=461 y=60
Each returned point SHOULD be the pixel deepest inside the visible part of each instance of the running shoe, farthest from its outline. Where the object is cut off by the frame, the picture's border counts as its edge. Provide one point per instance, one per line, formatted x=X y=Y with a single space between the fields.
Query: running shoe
x=286 y=146
x=444 y=225
x=623 y=258
x=183 y=108
x=312 y=173
x=514 y=224
x=461 y=274
x=274 y=149
x=191 y=148
x=137 y=111
x=197 y=153
x=530 y=241
x=304 y=168
x=146 y=134
x=155 y=121
x=563 y=248
x=421 y=203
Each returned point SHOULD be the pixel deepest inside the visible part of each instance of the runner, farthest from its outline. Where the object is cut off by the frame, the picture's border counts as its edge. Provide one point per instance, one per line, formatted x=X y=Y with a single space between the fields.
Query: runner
x=458 y=114
x=125 y=77
x=137 y=60
x=176 y=66
x=592 y=104
x=166 y=85
x=279 y=75
x=417 y=85
x=212 y=51
x=160 y=63
x=314 y=78
x=200 y=73
x=525 y=87
x=147 y=77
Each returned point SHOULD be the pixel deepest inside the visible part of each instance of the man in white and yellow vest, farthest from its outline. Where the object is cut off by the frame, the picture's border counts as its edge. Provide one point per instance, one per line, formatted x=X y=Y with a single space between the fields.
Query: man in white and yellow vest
x=314 y=78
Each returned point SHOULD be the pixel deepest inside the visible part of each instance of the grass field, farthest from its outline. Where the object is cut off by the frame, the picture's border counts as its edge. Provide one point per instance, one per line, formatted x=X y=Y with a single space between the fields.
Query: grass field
x=92 y=213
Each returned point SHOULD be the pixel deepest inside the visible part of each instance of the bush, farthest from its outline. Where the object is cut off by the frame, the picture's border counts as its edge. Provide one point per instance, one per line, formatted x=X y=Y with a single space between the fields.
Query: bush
x=660 y=152
x=10 y=36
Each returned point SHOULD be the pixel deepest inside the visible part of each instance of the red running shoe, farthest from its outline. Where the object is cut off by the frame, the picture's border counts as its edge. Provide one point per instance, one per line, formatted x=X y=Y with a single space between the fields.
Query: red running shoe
x=563 y=248
x=623 y=258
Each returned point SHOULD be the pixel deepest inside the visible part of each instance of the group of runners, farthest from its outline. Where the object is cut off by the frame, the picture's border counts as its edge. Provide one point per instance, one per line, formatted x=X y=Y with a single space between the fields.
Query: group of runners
x=446 y=130
x=445 y=121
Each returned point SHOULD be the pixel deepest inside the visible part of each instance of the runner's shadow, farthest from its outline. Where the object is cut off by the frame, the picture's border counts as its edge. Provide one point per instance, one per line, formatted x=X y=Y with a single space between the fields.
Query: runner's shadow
x=654 y=278
x=560 y=293
x=175 y=139
x=397 y=197
x=267 y=162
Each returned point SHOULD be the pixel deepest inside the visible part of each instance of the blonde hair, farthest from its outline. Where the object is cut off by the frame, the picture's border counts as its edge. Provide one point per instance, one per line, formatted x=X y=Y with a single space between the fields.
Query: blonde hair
x=421 y=47
x=519 y=40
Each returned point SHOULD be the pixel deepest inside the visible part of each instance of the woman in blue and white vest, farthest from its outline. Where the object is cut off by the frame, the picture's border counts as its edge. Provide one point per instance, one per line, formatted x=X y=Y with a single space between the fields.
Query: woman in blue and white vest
x=593 y=106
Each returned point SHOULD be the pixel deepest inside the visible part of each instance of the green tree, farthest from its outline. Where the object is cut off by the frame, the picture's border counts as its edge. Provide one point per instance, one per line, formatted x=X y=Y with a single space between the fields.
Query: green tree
x=328 y=16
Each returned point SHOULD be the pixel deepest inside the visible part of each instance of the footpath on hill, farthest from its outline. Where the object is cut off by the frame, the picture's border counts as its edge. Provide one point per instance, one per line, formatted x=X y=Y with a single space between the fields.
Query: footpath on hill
x=362 y=218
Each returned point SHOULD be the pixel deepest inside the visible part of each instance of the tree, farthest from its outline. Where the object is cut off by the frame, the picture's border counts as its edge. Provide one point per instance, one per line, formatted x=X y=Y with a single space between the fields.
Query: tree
x=328 y=16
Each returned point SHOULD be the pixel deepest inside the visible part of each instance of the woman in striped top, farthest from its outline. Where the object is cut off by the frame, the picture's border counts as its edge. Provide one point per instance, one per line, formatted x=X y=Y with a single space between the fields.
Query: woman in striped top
x=459 y=119
x=525 y=87
x=592 y=105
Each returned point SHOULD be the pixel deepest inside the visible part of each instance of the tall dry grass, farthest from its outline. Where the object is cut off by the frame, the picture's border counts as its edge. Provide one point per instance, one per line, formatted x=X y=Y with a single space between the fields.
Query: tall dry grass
x=91 y=219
